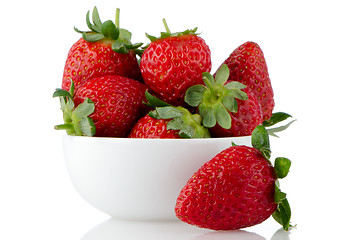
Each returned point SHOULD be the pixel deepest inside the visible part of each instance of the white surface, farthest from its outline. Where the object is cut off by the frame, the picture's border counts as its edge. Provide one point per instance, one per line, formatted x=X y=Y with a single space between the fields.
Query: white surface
x=138 y=179
x=313 y=50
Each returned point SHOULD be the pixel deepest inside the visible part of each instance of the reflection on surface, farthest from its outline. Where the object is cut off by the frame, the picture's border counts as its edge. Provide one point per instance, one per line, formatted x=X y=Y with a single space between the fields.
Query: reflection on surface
x=229 y=235
x=113 y=229
x=281 y=235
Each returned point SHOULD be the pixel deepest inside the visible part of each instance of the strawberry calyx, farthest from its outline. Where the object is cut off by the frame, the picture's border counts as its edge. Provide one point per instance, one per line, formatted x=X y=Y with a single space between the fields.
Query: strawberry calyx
x=260 y=141
x=168 y=33
x=76 y=119
x=109 y=31
x=188 y=124
x=275 y=119
x=217 y=98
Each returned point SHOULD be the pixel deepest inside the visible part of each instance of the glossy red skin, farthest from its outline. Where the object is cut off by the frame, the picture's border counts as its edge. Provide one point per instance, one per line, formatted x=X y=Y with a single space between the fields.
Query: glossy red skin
x=247 y=65
x=118 y=103
x=87 y=60
x=244 y=121
x=149 y=127
x=233 y=190
x=171 y=65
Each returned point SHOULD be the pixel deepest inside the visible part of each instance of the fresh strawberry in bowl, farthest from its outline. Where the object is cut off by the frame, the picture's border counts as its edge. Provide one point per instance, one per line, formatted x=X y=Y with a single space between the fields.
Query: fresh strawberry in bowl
x=105 y=49
x=167 y=121
x=174 y=62
x=248 y=66
x=104 y=106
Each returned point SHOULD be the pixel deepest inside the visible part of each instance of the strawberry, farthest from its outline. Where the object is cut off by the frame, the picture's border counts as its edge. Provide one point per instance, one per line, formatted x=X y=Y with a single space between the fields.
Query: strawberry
x=244 y=121
x=248 y=66
x=110 y=105
x=173 y=63
x=238 y=188
x=167 y=121
x=149 y=127
x=105 y=50
x=225 y=109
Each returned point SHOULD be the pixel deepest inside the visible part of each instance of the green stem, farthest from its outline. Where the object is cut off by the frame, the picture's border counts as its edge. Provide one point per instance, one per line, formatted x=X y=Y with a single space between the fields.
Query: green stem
x=166 y=26
x=211 y=88
x=66 y=126
x=117 y=17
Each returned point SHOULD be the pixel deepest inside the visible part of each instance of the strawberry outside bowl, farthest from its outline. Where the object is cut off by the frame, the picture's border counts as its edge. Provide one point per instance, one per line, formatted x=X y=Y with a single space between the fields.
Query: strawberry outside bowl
x=137 y=179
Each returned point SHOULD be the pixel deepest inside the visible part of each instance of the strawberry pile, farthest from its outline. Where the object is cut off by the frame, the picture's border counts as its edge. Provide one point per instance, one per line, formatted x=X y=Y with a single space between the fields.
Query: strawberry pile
x=114 y=88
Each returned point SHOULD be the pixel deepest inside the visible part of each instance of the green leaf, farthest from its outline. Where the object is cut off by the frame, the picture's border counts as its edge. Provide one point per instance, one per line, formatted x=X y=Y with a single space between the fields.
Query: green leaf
x=279 y=195
x=283 y=214
x=61 y=93
x=222 y=116
x=92 y=37
x=189 y=125
x=260 y=141
x=79 y=31
x=96 y=20
x=92 y=27
x=79 y=115
x=187 y=131
x=208 y=115
x=194 y=95
x=87 y=126
x=175 y=124
x=230 y=104
x=71 y=89
x=237 y=93
x=153 y=114
x=152 y=38
x=272 y=131
x=153 y=101
x=276 y=118
x=282 y=166
x=208 y=79
x=63 y=103
x=168 y=112
x=222 y=75
x=136 y=45
x=84 y=109
x=234 y=85
x=109 y=30
x=125 y=35
x=119 y=47
x=68 y=108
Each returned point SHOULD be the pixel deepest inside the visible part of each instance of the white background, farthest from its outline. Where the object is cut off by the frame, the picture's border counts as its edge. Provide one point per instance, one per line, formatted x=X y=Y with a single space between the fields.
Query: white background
x=313 y=50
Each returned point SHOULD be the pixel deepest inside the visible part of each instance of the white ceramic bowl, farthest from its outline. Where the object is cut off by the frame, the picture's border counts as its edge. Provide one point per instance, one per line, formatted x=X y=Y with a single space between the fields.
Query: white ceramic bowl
x=137 y=179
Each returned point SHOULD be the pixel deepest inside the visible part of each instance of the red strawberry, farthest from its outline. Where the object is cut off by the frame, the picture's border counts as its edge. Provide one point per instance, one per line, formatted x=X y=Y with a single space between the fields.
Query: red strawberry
x=236 y=189
x=248 y=66
x=149 y=127
x=167 y=121
x=173 y=63
x=225 y=109
x=233 y=190
x=244 y=121
x=101 y=52
x=117 y=103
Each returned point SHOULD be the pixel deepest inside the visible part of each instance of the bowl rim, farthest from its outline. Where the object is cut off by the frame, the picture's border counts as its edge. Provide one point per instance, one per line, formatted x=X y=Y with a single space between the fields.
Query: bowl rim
x=120 y=139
